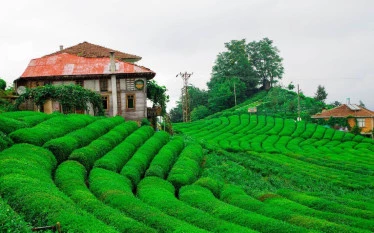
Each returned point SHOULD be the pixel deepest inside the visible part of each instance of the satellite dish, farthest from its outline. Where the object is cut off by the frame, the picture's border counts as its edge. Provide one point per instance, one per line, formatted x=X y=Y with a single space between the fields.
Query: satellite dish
x=21 y=90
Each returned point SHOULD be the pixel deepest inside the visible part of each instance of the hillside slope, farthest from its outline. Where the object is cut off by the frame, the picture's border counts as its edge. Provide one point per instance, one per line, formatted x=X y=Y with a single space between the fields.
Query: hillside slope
x=238 y=173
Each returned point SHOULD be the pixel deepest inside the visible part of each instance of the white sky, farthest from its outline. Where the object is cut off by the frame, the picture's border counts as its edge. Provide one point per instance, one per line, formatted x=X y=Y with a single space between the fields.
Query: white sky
x=330 y=43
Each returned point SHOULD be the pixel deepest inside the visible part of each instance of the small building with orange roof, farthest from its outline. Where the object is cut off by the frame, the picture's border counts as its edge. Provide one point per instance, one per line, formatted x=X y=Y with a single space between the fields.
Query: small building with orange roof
x=355 y=114
x=112 y=74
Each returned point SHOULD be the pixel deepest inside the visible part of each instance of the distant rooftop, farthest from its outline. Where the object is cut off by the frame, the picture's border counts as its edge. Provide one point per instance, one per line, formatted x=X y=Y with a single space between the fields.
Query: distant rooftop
x=89 y=50
x=345 y=110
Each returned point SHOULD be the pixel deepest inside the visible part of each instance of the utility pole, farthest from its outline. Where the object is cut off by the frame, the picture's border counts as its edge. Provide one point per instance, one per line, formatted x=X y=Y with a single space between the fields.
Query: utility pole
x=185 y=97
x=235 y=93
x=298 y=103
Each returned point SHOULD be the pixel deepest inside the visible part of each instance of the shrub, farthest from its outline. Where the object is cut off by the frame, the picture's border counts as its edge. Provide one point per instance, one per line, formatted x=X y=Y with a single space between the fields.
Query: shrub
x=10 y=221
x=165 y=158
x=52 y=128
x=115 y=159
x=135 y=168
x=70 y=178
x=115 y=190
x=25 y=170
x=187 y=168
x=160 y=194
x=88 y=155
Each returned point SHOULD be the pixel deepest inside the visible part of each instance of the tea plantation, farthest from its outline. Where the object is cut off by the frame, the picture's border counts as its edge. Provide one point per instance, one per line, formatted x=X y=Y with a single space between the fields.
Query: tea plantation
x=237 y=173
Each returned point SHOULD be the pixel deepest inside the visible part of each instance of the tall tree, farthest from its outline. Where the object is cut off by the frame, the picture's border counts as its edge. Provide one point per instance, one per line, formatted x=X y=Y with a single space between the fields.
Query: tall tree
x=2 y=84
x=320 y=94
x=266 y=62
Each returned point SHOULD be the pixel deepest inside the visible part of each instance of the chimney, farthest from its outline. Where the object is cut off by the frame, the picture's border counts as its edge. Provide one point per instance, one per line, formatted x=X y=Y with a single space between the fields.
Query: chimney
x=112 y=67
x=61 y=47
x=348 y=100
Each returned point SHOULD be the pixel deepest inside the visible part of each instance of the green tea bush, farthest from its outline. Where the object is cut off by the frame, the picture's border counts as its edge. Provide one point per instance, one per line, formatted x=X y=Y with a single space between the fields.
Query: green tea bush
x=329 y=133
x=338 y=135
x=282 y=209
x=88 y=155
x=203 y=199
x=329 y=206
x=160 y=194
x=9 y=125
x=135 y=168
x=62 y=147
x=278 y=126
x=115 y=190
x=52 y=128
x=309 y=131
x=187 y=168
x=26 y=183
x=163 y=161
x=281 y=144
x=10 y=221
x=70 y=177
x=300 y=128
x=269 y=142
x=115 y=159
x=289 y=127
x=253 y=121
x=256 y=142
x=319 y=133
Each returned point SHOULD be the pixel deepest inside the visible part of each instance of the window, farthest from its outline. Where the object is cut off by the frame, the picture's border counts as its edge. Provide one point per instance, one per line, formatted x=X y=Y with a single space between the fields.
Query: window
x=79 y=82
x=105 y=100
x=361 y=122
x=103 y=84
x=130 y=101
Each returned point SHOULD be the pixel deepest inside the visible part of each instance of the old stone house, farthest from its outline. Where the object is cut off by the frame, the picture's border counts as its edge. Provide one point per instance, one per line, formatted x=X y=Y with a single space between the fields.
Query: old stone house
x=113 y=74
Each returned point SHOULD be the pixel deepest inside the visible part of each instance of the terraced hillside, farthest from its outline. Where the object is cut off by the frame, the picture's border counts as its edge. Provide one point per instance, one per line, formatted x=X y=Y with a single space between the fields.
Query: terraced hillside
x=228 y=174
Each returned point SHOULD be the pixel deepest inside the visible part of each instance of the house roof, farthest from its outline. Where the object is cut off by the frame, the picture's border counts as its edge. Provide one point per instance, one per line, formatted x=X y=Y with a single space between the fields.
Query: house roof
x=65 y=64
x=345 y=110
x=89 y=50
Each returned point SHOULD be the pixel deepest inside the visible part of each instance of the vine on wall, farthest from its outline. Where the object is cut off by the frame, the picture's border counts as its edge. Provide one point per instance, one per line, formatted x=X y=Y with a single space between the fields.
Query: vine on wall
x=71 y=97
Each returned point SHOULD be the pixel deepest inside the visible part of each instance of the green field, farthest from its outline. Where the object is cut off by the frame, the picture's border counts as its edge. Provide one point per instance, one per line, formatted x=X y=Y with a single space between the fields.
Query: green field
x=231 y=173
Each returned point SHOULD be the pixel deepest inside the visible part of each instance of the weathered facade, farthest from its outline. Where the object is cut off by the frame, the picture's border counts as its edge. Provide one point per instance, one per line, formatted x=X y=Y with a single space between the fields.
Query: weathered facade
x=113 y=74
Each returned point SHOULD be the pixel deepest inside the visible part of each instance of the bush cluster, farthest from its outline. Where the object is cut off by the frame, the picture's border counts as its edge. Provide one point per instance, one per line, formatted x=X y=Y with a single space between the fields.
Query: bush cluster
x=70 y=177
x=115 y=159
x=135 y=168
x=62 y=147
x=160 y=194
x=165 y=158
x=188 y=166
x=88 y=155
x=27 y=185
x=116 y=190
x=52 y=128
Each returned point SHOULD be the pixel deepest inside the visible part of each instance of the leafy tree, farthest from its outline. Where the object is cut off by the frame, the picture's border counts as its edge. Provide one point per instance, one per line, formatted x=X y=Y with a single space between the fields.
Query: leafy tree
x=176 y=114
x=71 y=97
x=199 y=112
x=291 y=86
x=157 y=94
x=265 y=60
x=321 y=94
x=197 y=96
x=2 y=84
x=234 y=63
x=335 y=104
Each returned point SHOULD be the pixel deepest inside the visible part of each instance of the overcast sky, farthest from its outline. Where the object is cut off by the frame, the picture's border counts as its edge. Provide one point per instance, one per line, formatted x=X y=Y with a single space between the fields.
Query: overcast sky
x=328 y=43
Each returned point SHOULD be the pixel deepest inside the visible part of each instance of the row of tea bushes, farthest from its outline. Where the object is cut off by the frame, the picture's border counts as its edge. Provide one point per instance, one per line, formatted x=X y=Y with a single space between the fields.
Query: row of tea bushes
x=326 y=205
x=10 y=221
x=52 y=128
x=9 y=125
x=62 y=147
x=135 y=168
x=203 y=199
x=26 y=183
x=275 y=206
x=88 y=155
x=160 y=194
x=165 y=158
x=187 y=168
x=116 y=190
x=115 y=159
x=70 y=177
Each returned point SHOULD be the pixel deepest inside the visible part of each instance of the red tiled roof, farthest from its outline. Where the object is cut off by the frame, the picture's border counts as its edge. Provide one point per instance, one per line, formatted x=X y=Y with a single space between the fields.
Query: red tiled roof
x=89 y=50
x=345 y=111
x=64 y=64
